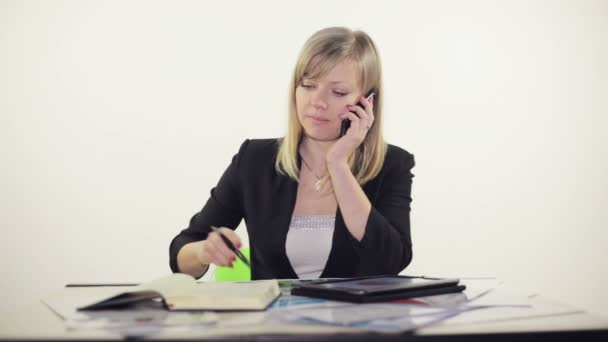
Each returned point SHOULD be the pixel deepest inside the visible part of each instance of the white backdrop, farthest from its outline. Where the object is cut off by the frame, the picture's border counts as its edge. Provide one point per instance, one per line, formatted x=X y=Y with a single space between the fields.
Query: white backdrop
x=117 y=118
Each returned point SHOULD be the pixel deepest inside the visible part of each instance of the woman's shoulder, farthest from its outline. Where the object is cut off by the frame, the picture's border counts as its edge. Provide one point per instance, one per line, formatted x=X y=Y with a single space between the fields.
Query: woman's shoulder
x=256 y=151
x=396 y=155
x=397 y=161
x=262 y=145
x=259 y=147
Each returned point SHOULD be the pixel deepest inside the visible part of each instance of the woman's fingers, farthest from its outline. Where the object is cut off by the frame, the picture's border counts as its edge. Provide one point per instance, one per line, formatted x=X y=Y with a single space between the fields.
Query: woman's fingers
x=365 y=116
x=218 y=252
x=232 y=236
x=369 y=107
x=358 y=110
x=354 y=120
x=358 y=125
x=214 y=256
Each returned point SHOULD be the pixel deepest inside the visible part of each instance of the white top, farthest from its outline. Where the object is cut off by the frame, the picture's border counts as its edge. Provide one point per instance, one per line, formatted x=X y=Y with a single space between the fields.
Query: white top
x=308 y=244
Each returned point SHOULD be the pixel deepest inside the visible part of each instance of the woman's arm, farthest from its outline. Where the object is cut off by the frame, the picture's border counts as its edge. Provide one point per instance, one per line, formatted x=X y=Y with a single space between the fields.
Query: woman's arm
x=194 y=248
x=188 y=260
x=381 y=232
x=353 y=202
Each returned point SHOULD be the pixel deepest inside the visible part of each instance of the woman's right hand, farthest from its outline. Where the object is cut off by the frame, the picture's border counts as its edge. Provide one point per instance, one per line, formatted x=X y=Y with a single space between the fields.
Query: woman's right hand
x=214 y=251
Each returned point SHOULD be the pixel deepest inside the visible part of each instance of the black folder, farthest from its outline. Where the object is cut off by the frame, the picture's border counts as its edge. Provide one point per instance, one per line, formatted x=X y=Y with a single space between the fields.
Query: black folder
x=378 y=288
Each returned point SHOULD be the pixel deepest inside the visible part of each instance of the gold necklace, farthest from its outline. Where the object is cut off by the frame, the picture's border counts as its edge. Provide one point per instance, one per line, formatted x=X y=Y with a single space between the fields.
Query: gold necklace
x=319 y=182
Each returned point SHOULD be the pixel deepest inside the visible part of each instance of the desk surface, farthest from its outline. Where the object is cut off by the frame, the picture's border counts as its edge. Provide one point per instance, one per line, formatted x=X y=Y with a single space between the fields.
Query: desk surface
x=38 y=322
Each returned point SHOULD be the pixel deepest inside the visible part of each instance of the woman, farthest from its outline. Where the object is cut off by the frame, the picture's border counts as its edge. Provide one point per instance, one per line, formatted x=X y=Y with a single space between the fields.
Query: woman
x=316 y=204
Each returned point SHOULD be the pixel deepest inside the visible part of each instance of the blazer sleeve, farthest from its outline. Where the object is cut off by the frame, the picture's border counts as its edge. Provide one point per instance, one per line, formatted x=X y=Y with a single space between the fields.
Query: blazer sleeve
x=223 y=208
x=386 y=246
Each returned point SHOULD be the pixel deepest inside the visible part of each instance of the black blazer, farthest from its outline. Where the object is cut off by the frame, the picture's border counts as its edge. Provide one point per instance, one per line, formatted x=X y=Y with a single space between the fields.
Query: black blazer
x=252 y=189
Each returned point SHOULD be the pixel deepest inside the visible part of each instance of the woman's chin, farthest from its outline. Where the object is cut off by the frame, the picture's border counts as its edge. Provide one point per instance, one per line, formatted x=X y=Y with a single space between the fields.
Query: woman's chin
x=321 y=135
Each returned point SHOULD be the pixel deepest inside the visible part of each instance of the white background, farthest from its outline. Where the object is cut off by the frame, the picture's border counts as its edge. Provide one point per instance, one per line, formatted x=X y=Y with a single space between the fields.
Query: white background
x=118 y=117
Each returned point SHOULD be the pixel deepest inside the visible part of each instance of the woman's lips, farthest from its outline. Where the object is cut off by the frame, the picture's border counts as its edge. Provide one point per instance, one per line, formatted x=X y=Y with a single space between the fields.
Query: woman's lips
x=318 y=120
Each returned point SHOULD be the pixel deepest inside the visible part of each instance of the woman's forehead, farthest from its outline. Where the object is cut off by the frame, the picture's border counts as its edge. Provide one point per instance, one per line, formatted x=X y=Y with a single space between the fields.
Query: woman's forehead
x=345 y=71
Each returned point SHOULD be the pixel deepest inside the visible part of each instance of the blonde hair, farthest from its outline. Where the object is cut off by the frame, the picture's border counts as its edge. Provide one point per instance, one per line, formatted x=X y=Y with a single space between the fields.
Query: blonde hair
x=321 y=52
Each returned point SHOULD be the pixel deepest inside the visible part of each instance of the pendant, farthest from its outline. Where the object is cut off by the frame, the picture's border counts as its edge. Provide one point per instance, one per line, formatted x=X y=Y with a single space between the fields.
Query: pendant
x=318 y=185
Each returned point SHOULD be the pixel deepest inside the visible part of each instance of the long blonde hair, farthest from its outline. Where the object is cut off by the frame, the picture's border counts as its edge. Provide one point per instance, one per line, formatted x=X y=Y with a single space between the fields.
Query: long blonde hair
x=328 y=47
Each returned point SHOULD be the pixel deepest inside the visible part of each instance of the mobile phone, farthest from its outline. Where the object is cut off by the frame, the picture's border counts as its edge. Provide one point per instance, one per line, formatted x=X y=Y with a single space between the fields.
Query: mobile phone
x=346 y=122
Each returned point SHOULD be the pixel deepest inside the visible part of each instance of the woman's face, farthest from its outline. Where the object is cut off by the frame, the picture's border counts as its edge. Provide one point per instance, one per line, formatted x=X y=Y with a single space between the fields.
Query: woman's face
x=320 y=101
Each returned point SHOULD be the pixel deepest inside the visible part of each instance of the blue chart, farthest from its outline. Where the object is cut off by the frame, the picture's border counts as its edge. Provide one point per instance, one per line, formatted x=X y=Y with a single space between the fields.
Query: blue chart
x=295 y=301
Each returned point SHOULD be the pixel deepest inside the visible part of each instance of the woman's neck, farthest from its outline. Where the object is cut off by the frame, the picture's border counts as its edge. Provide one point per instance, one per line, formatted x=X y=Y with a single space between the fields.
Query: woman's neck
x=314 y=151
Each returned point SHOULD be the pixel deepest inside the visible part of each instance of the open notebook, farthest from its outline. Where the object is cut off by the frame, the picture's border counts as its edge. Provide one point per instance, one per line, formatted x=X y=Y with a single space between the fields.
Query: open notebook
x=181 y=292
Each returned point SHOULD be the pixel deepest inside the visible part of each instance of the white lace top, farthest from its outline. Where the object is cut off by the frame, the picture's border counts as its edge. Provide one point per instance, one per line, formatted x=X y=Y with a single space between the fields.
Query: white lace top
x=308 y=244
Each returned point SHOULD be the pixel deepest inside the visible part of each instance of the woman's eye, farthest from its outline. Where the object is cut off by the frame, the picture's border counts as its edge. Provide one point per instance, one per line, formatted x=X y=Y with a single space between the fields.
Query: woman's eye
x=340 y=94
x=308 y=86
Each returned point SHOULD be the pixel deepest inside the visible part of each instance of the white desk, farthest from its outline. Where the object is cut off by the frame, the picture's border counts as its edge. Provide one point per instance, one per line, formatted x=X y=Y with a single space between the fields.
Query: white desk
x=38 y=322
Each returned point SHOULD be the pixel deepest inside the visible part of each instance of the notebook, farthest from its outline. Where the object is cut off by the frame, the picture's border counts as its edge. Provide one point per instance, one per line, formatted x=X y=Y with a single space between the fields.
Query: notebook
x=181 y=292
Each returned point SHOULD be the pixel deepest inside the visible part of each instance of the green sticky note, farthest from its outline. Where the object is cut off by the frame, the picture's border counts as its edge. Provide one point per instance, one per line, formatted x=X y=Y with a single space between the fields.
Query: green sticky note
x=238 y=272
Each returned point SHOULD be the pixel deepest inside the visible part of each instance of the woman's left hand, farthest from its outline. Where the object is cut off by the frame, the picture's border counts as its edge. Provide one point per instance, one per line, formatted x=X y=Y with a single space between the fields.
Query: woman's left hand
x=360 y=124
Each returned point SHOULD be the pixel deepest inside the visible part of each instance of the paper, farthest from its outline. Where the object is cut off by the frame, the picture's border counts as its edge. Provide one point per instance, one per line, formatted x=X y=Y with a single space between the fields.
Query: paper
x=374 y=317
x=408 y=314
x=495 y=308
x=65 y=302
x=491 y=302
x=142 y=318
x=292 y=301
x=356 y=313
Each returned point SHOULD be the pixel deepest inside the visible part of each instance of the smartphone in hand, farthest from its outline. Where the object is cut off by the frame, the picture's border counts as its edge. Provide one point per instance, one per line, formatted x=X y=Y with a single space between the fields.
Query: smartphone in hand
x=346 y=122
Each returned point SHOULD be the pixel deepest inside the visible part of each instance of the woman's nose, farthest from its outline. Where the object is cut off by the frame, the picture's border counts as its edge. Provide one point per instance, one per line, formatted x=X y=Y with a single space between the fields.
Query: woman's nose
x=317 y=99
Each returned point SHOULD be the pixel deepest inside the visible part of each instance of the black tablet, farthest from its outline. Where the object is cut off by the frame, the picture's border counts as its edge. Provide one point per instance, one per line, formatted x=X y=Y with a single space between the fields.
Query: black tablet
x=378 y=288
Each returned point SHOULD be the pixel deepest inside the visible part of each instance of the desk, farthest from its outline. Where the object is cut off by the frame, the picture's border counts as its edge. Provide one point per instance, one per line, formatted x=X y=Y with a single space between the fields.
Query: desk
x=38 y=322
